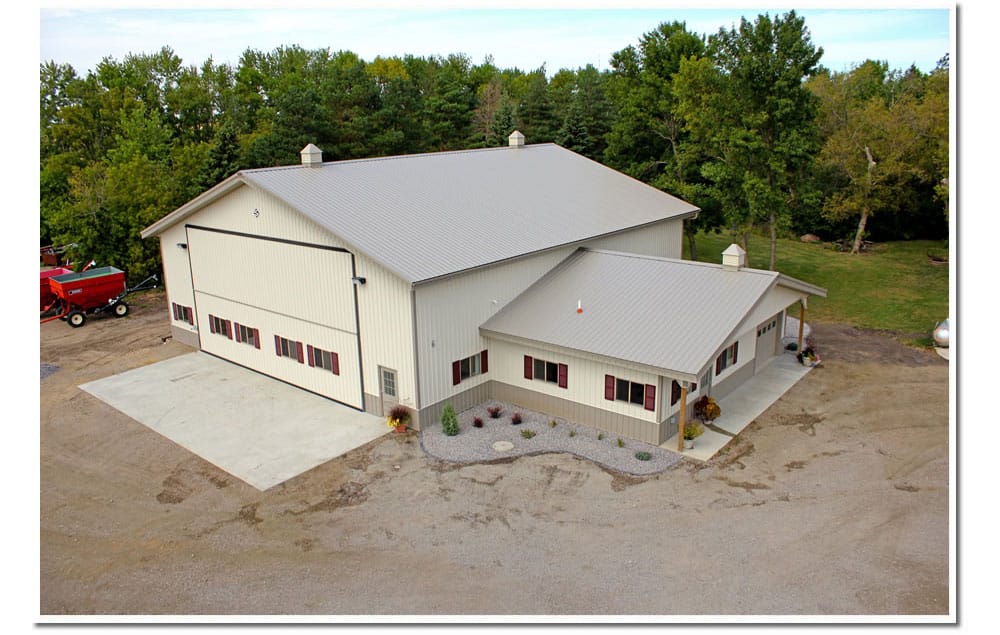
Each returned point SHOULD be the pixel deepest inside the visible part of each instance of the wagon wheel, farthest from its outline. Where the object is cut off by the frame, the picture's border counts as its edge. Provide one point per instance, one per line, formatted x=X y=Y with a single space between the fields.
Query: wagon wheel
x=121 y=309
x=76 y=319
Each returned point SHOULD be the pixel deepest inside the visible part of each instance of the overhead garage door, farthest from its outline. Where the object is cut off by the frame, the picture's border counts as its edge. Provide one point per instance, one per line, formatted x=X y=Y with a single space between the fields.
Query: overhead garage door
x=767 y=342
x=284 y=309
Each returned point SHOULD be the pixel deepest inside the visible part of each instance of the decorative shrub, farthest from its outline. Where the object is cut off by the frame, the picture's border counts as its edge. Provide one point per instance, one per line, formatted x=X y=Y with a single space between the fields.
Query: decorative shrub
x=706 y=409
x=600 y=436
x=643 y=456
x=494 y=411
x=621 y=443
x=516 y=418
x=449 y=421
x=553 y=424
x=572 y=433
x=527 y=434
x=477 y=422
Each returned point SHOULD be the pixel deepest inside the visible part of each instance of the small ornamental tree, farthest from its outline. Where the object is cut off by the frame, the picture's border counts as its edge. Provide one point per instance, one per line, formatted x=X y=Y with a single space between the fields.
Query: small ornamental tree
x=449 y=421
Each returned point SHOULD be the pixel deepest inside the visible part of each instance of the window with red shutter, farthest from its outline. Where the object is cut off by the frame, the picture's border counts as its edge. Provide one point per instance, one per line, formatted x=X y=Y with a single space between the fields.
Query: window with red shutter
x=456 y=372
x=484 y=362
x=277 y=345
x=256 y=339
x=529 y=367
x=609 y=387
x=211 y=323
x=309 y=355
x=650 y=397
x=298 y=351
x=736 y=349
x=336 y=363
x=563 y=375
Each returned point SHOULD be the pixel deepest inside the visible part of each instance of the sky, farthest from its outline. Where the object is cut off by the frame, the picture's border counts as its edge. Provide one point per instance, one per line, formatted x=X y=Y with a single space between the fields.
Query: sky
x=565 y=35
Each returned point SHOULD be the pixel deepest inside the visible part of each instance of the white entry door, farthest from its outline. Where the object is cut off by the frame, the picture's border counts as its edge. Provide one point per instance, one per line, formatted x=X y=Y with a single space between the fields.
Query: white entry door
x=388 y=388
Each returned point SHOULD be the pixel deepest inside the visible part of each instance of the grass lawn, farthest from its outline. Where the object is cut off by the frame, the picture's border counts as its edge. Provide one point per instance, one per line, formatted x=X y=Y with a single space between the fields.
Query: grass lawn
x=895 y=286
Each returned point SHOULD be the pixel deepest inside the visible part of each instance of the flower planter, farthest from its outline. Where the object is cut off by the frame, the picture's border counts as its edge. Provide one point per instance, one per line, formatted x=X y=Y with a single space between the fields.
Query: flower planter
x=400 y=428
x=688 y=444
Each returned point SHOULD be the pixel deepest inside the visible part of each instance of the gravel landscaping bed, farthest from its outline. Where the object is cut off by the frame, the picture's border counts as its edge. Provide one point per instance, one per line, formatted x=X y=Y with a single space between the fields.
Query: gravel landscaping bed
x=476 y=445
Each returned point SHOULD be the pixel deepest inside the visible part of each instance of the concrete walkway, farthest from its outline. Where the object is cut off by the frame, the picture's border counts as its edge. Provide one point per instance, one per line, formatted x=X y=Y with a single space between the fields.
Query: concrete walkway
x=745 y=404
x=258 y=429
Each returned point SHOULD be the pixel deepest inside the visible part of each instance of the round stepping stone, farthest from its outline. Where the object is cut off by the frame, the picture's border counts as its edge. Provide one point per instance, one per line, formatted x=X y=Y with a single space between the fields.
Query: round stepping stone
x=503 y=446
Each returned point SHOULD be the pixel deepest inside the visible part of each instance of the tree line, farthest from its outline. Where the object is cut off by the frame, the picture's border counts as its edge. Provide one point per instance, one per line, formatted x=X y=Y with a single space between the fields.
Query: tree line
x=744 y=123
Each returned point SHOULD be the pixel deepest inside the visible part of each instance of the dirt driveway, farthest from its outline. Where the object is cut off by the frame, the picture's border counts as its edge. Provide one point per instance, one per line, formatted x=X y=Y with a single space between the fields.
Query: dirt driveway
x=835 y=501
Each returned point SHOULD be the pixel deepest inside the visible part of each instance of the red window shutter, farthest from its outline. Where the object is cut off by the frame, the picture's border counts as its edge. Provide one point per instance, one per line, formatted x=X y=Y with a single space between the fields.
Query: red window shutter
x=309 y=355
x=229 y=329
x=236 y=329
x=484 y=365
x=529 y=367
x=211 y=323
x=456 y=373
x=175 y=311
x=609 y=387
x=563 y=375
x=718 y=364
x=336 y=363
x=190 y=315
x=298 y=350
x=650 y=397
x=736 y=349
x=256 y=339
x=277 y=345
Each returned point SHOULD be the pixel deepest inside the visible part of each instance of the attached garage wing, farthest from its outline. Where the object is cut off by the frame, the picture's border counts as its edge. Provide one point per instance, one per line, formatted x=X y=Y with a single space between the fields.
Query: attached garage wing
x=285 y=309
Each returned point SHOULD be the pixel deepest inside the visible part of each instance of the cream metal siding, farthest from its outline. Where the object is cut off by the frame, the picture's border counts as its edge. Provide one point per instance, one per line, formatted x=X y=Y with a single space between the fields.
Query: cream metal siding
x=662 y=240
x=307 y=283
x=345 y=387
x=450 y=310
x=585 y=378
x=778 y=298
x=384 y=301
x=177 y=275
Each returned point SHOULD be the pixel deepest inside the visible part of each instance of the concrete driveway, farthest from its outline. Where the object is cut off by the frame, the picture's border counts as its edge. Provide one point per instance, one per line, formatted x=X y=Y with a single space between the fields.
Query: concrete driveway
x=258 y=429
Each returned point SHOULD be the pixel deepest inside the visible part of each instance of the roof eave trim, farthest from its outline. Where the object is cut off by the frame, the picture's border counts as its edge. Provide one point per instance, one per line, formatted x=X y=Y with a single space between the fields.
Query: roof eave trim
x=654 y=370
x=799 y=285
x=205 y=198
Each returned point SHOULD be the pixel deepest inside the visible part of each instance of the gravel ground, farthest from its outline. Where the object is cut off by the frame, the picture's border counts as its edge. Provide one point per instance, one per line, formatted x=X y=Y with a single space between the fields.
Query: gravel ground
x=475 y=445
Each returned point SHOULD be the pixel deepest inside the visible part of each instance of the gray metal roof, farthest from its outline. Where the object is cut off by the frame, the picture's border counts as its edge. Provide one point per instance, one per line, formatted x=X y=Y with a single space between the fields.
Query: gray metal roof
x=673 y=315
x=429 y=215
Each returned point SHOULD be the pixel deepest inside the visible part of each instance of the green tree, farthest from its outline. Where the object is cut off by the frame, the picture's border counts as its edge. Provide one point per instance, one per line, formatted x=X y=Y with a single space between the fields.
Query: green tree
x=649 y=138
x=754 y=119
x=885 y=142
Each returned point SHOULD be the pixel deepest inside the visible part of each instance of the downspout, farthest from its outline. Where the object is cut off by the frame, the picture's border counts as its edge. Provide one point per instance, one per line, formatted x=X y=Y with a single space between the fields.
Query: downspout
x=357 y=329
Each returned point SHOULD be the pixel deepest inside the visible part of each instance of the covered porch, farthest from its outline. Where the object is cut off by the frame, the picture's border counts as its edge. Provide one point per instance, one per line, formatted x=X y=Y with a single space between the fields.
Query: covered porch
x=744 y=404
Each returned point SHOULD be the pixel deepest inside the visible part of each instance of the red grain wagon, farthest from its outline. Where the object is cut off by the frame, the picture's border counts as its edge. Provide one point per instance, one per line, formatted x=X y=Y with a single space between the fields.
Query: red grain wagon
x=92 y=291
x=48 y=298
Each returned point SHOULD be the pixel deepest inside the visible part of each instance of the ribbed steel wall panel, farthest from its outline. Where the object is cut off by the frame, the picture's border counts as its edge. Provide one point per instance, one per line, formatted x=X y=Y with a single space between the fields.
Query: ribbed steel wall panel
x=585 y=381
x=384 y=302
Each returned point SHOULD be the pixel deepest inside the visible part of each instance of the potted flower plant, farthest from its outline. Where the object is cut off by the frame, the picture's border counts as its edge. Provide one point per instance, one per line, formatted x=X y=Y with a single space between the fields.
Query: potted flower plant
x=399 y=418
x=692 y=431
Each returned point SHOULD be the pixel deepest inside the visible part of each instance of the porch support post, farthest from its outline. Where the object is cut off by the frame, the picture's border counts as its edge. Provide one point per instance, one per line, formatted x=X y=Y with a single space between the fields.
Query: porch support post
x=802 y=321
x=680 y=422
